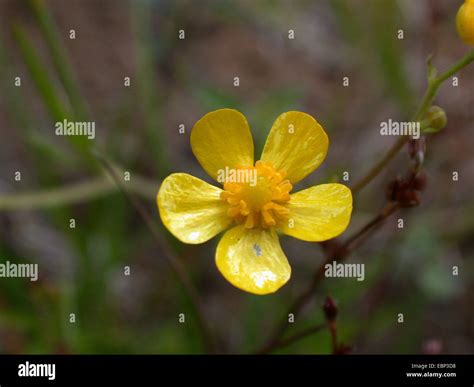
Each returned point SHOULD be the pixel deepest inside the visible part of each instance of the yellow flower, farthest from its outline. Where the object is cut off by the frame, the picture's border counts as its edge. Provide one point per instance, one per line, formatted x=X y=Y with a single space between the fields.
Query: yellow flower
x=249 y=254
x=465 y=22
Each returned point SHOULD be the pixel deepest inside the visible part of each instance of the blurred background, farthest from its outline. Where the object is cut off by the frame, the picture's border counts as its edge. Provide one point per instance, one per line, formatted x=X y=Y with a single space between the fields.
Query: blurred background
x=174 y=82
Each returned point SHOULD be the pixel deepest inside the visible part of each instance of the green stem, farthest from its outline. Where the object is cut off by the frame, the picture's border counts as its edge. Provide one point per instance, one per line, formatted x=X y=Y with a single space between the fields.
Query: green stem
x=75 y=193
x=380 y=165
x=148 y=84
x=175 y=264
x=39 y=74
x=430 y=94
x=50 y=95
x=59 y=58
x=435 y=83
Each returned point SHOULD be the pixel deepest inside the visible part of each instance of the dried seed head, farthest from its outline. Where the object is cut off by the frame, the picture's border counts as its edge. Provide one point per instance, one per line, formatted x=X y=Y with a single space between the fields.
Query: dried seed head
x=419 y=181
x=408 y=197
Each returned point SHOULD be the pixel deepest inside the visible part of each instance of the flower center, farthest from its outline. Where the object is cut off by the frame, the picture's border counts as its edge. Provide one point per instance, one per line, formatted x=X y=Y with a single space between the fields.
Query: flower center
x=257 y=195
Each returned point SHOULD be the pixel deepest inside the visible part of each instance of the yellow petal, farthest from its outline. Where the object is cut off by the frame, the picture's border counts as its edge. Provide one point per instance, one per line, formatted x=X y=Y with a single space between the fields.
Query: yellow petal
x=191 y=209
x=319 y=213
x=220 y=139
x=296 y=144
x=253 y=260
x=465 y=22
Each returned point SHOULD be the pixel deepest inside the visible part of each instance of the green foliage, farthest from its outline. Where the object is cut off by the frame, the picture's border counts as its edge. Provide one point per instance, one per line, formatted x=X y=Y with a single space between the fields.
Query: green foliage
x=109 y=234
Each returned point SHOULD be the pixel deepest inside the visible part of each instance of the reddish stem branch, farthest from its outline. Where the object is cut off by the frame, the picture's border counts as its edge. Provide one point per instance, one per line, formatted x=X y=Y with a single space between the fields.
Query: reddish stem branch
x=334 y=342
x=434 y=84
x=340 y=253
x=291 y=339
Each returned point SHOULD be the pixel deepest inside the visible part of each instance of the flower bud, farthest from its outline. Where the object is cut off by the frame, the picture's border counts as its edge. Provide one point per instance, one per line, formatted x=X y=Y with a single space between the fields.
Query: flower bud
x=465 y=22
x=330 y=309
x=435 y=119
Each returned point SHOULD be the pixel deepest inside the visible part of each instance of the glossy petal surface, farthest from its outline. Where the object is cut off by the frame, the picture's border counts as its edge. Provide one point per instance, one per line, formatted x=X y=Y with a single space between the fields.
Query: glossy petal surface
x=253 y=260
x=191 y=209
x=465 y=22
x=221 y=139
x=297 y=144
x=319 y=213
